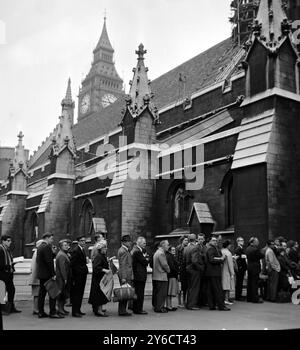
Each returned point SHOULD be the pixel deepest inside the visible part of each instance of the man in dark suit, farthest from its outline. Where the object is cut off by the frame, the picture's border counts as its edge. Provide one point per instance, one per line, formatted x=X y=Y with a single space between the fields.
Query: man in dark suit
x=79 y=272
x=45 y=271
x=214 y=261
x=7 y=273
x=125 y=271
x=140 y=262
x=254 y=255
x=184 y=241
x=195 y=268
x=241 y=268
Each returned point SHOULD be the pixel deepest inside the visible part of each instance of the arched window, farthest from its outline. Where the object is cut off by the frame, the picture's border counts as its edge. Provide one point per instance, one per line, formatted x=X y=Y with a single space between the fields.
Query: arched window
x=181 y=205
x=87 y=215
x=227 y=190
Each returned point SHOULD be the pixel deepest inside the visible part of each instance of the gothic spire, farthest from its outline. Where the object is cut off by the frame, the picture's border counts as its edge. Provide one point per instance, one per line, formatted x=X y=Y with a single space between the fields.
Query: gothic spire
x=64 y=134
x=68 y=101
x=271 y=26
x=140 y=95
x=104 y=42
x=20 y=160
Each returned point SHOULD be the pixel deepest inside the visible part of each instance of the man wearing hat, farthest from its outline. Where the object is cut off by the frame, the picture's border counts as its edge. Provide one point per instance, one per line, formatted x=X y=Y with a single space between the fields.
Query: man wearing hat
x=125 y=271
x=79 y=272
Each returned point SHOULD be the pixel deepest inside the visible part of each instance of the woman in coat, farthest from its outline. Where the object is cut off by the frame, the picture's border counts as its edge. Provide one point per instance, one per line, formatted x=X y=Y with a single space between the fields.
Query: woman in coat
x=173 y=286
x=100 y=267
x=227 y=272
x=34 y=281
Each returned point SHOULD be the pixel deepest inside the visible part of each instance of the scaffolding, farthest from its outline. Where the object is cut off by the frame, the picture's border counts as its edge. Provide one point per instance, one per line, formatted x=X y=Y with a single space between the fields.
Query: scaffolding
x=243 y=13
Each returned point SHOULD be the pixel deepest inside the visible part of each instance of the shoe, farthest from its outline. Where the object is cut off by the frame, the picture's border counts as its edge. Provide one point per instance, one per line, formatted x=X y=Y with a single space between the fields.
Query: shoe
x=100 y=314
x=61 y=314
x=35 y=313
x=81 y=313
x=66 y=312
x=56 y=316
x=225 y=309
x=162 y=311
x=228 y=303
x=15 y=311
x=76 y=315
x=181 y=306
x=194 y=308
x=172 y=308
x=230 y=300
x=140 y=312
x=43 y=315
x=126 y=314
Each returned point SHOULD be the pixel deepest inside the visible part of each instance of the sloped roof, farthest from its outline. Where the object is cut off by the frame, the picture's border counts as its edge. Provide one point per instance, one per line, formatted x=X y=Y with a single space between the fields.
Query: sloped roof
x=201 y=129
x=253 y=141
x=205 y=69
x=201 y=71
x=45 y=200
x=99 y=124
x=119 y=179
x=202 y=212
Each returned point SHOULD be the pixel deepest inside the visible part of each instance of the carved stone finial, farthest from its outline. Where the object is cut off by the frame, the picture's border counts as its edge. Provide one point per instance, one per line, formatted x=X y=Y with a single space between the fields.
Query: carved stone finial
x=256 y=28
x=285 y=27
x=141 y=52
x=146 y=100
x=20 y=136
x=128 y=100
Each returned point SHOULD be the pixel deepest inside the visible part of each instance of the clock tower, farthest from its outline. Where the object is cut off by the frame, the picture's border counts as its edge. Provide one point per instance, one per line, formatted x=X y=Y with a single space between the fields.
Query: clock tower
x=102 y=86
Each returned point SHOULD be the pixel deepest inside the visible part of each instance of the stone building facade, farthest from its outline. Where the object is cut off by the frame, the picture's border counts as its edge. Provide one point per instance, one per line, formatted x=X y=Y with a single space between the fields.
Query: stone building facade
x=238 y=103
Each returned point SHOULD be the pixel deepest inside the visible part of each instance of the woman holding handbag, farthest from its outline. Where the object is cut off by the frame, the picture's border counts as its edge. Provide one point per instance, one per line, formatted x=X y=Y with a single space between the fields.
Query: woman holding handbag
x=100 y=267
x=228 y=272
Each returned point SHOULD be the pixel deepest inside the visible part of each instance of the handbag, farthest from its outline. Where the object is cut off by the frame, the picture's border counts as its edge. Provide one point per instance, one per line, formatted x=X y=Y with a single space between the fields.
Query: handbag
x=263 y=276
x=52 y=288
x=125 y=292
x=107 y=285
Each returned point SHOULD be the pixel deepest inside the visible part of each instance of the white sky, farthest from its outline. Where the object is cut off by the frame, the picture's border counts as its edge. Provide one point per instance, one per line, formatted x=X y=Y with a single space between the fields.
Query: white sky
x=46 y=41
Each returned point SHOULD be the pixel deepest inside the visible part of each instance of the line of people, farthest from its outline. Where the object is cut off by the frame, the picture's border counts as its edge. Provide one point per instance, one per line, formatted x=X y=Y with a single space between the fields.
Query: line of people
x=197 y=272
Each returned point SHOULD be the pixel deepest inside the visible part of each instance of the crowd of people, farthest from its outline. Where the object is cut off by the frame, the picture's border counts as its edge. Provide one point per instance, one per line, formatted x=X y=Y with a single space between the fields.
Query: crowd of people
x=195 y=274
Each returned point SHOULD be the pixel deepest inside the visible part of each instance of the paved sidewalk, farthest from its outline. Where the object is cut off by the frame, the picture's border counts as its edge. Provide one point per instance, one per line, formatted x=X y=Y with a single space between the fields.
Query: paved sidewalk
x=244 y=316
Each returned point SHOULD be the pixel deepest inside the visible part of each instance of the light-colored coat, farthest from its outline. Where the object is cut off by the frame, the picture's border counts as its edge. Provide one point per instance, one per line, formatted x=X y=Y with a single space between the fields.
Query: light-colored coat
x=34 y=281
x=228 y=271
x=125 y=265
x=272 y=262
x=160 y=266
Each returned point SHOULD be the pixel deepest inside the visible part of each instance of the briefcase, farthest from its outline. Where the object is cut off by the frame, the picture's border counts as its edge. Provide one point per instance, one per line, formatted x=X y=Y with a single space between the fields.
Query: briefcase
x=125 y=292
x=52 y=288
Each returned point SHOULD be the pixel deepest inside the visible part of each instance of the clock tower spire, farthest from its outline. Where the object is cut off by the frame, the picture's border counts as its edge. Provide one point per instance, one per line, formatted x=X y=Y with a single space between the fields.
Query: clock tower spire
x=102 y=85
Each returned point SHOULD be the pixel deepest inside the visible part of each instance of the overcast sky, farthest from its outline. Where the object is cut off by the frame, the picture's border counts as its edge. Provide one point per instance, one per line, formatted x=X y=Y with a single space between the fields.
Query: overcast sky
x=48 y=41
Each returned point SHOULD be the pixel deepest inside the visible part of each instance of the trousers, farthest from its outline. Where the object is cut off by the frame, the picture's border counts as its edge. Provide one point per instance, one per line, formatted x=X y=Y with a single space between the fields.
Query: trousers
x=41 y=300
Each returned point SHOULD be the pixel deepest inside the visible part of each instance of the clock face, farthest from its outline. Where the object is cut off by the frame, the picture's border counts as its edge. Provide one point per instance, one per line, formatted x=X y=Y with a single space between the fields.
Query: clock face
x=108 y=99
x=85 y=103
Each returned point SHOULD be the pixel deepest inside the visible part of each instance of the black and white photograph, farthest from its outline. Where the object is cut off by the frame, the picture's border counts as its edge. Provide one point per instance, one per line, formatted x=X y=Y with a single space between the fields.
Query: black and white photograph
x=149 y=168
